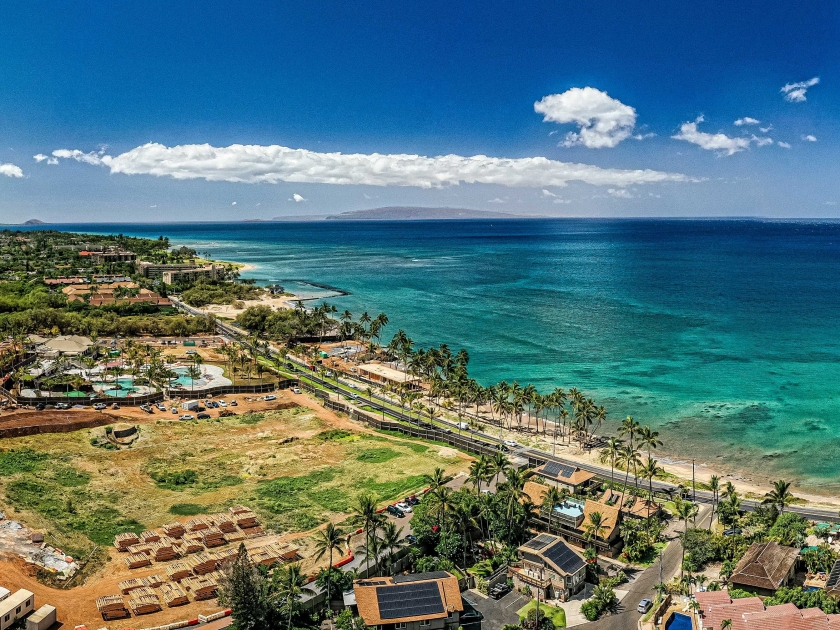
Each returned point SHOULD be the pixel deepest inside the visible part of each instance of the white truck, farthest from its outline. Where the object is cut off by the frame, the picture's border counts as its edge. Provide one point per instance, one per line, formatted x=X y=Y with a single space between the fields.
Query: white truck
x=190 y=405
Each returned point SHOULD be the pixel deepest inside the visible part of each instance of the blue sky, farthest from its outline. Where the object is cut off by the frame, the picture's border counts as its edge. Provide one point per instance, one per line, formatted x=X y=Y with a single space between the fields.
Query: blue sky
x=616 y=82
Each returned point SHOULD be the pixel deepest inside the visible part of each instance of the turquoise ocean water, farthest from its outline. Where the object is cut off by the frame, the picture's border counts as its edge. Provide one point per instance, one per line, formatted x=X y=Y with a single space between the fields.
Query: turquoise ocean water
x=724 y=335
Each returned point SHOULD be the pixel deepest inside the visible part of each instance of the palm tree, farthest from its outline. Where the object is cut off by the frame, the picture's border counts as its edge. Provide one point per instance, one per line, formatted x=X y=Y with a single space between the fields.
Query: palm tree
x=780 y=495
x=684 y=511
x=630 y=428
x=726 y=624
x=628 y=458
x=479 y=470
x=392 y=541
x=610 y=453
x=714 y=485
x=500 y=464
x=552 y=497
x=438 y=478
x=365 y=508
x=291 y=586
x=649 y=470
x=594 y=528
x=649 y=439
x=193 y=372
x=328 y=540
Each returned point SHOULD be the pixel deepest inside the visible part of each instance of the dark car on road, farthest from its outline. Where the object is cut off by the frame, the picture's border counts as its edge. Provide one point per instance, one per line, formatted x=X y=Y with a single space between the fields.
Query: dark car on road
x=499 y=591
x=393 y=510
x=204 y=416
x=469 y=616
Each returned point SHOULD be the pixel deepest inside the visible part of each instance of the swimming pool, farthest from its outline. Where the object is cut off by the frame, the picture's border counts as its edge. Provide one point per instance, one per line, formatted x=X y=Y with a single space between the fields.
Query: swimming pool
x=678 y=621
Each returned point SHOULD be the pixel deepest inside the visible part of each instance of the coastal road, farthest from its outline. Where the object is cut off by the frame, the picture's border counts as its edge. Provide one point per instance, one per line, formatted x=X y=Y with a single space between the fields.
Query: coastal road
x=535 y=455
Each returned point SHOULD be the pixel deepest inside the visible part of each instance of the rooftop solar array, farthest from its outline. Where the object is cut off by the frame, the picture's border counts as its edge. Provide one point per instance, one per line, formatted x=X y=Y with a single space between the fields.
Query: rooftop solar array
x=539 y=542
x=834 y=576
x=419 y=577
x=562 y=556
x=558 y=470
x=409 y=600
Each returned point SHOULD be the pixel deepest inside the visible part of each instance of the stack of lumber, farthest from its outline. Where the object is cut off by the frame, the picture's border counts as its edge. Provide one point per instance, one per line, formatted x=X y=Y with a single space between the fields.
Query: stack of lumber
x=153 y=581
x=235 y=536
x=173 y=595
x=137 y=560
x=178 y=571
x=150 y=536
x=141 y=548
x=246 y=520
x=144 y=601
x=125 y=540
x=192 y=543
x=111 y=607
x=163 y=551
x=225 y=555
x=225 y=523
x=174 y=530
x=213 y=537
x=202 y=587
x=238 y=509
x=253 y=532
x=197 y=524
x=268 y=555
x=202 y=563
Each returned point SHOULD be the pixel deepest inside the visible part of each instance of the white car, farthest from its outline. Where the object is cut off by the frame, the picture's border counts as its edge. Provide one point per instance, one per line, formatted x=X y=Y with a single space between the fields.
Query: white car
x=405 y=507
x=511 y=443
x=296 y=390
x=269 y=398
x=222 y=403
x=161 y=406
x=186 y=416
x=100 y=406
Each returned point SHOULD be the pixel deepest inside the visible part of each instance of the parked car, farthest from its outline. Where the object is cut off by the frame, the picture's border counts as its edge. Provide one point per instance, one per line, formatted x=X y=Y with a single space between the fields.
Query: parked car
x=499 y=591
x=393 y=510
x=186 y=416
x=411 y=539
x=270 y=397
x=731 y=532
x=644 y=605
x=405 y=507
x=204 y=416
x=470 y=616
x=42 y=406
x=463 y=426
x=190 y=352
x=233 y=403
x=511 y=443
x=296 y=390
x=412 y=500
x=100 y=406
x=222 y=403
x=174 y=409
x=62 y=406
x=146 y=408
x=161 y=407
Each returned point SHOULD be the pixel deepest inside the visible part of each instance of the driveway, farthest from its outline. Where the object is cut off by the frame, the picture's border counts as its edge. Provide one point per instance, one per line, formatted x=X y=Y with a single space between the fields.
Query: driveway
x=497 y=612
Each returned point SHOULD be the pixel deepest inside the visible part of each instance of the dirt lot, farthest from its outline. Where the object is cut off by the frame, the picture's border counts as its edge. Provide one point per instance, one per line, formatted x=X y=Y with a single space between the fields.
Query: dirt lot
x=297 y=468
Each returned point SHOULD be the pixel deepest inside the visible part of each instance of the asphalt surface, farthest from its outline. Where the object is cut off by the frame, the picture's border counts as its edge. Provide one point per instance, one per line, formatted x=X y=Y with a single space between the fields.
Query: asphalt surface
x=497 y=612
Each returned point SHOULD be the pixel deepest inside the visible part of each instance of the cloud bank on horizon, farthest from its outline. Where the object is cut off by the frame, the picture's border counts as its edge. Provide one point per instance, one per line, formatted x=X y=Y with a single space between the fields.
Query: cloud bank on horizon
x=252 y=164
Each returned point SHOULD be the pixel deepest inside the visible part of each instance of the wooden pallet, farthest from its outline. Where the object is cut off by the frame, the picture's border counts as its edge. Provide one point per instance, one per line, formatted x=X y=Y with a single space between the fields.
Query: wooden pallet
x=150 y=536
x=246 y=520
x=111 y=607
x=137 y=560
x=163 y=552
x=201 y=587
x=125 y=540
x=144 y=601
x=145 y=548
x=213 y=537
x=197 y=524
x=174 y=530
x=173 y=595
x=235 y=536
x=225 y=523
x=192 y=543
x=238 y=509
x=202 y=563
x=253 y=532
x=178 y=571
x=267 y=555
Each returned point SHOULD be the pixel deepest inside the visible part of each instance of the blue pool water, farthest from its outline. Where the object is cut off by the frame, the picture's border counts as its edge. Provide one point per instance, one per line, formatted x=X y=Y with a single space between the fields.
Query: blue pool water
x=678 y=621
x=723 y=335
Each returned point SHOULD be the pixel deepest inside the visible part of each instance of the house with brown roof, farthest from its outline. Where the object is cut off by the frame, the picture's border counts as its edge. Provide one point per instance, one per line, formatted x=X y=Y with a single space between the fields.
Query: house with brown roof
x=562 y=474
x=749 y=613
x=764 y=568
x=551 y=566
x=422 y=601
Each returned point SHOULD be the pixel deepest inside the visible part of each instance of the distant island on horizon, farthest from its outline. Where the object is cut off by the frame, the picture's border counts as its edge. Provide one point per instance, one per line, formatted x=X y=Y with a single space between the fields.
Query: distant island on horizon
x=406 y=213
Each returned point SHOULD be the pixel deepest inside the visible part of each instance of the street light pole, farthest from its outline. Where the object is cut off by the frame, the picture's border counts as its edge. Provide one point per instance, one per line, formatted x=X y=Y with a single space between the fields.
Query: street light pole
x=693 y=485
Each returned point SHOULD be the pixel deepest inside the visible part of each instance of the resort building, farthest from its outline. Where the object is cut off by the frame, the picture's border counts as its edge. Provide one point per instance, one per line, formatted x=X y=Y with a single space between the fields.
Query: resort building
x=64 y=345
x=570 y=518
x=427 y=601
x=383 y=374
x=750 y=614
x=123 y=292
x=16 y=606
x=551 y=566
x=566 y=475
x=182 y=272
x=112 y=256
x=764 y=568
x=63 y=280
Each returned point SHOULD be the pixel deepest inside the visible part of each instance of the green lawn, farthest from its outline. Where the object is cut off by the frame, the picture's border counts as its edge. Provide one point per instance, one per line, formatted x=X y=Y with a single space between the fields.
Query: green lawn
x=557 y=615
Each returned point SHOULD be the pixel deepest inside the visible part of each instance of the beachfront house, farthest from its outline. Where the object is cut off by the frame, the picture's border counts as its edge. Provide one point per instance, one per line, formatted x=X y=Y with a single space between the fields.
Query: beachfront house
x=764 y=568
x=549 y=565
x=385 y=375
x=562 y=474
x=570 y=518
x=422 y=601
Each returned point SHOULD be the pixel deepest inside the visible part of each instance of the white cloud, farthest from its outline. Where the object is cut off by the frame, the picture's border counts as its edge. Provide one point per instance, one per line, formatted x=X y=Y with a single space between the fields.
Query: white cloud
x=497 y=200
x=233 y=204
x=254 y=164
x=795 y=92
x=41 y=157
x=562 y=201
x=621 y=193
x=644 y=136
x=809 y=138
x=746 y=120
x=298 y=198
x=784 y=145
x=719 y=142
x=830 y=203
x=153 y=206
x=603 y=121
x=547 y=193
x=10 y=170
x=765 y=129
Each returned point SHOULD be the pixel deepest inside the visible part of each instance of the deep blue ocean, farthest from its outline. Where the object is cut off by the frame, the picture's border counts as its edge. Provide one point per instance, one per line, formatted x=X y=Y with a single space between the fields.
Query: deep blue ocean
x=725 y=335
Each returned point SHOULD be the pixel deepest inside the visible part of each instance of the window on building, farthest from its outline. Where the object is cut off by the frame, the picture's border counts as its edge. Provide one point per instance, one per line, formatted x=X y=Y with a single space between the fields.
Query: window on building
x=425 y=623
x=400 y=626
x=449 y=615
x=18 y=609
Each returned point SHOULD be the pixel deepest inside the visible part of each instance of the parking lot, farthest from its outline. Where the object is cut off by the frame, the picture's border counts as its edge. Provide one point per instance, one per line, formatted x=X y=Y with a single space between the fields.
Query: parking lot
x=497 y=612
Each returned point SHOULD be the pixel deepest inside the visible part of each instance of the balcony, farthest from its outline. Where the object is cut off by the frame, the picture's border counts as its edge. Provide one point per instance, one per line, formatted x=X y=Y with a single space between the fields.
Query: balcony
x=533 y=579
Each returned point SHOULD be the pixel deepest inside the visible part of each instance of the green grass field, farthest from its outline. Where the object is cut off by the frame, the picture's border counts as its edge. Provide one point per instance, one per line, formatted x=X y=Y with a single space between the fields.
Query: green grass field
x=557 y=615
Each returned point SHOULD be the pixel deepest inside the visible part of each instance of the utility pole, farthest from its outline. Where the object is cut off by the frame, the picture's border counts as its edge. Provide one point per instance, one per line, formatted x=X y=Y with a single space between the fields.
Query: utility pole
x=693 y=485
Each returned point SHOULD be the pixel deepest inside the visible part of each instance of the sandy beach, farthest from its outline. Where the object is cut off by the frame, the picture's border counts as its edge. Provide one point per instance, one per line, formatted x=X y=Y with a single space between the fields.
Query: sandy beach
x=228 y=310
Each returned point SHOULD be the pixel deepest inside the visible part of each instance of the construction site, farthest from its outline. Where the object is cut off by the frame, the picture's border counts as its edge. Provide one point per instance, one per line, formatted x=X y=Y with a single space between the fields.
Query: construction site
x=148 y=526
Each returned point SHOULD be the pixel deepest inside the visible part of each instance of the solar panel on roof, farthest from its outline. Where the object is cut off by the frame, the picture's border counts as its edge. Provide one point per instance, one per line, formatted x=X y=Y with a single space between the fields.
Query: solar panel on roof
x=834 y=576
x=558 y=470
x=562 y=556
x=417 y=577
x=409 y=600
x=539 y=542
